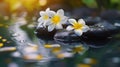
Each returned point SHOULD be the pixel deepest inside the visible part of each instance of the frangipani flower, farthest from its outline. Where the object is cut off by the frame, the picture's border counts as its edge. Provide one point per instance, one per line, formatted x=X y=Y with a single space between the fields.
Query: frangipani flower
x=57 y=19
x=45 y=17
x=78 y=27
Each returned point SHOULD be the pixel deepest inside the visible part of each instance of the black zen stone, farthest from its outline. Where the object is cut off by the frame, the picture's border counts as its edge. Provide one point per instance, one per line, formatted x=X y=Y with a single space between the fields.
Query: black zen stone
x=43 y=33
x=110 y=15
x=101 y=31
x=97 y=31
x=98 y=35
x=92 y=20
x=66 y=36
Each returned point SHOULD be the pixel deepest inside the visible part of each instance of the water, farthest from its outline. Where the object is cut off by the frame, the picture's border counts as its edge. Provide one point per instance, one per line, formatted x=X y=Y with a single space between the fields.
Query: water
x=60 y=54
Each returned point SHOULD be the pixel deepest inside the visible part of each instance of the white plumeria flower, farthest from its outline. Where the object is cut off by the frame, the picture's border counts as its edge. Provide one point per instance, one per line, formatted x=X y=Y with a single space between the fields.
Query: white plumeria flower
x=45 y=17
x=57 y=20
x=78 y=27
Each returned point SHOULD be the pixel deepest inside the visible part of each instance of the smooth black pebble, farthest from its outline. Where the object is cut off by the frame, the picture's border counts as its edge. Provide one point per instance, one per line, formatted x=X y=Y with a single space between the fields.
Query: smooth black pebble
x=43 y=33
x=101 y=30
x=66 y=36
x=98 y=35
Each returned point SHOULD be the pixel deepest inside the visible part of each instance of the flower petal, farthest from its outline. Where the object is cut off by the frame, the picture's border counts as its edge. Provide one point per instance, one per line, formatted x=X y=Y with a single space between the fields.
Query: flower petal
x=51 y=28
x=78 y=32
x=40 y=24
x=51 y=13
x=69 y=28
x=85 y=28
x=60 y=12
x=39 y=19
x=59 y=26
x=72 y=21
x=42 y=13
x=81 y=21
x=48 y=9
x=64 y=20
x=46 y=23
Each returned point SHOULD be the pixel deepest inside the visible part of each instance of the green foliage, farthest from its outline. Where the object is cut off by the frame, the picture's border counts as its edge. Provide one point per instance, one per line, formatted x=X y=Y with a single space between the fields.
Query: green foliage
x=90 y=3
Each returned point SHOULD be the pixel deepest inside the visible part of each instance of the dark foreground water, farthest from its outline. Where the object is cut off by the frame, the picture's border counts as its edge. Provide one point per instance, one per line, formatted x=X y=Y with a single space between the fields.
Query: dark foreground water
x=106 y=54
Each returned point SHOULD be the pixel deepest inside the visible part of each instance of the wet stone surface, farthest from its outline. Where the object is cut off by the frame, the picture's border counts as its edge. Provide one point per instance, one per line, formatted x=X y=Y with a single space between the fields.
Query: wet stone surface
x=43 y=33
x=66 y=36
x=97 y=31
x=101 y=31
x=98 y=35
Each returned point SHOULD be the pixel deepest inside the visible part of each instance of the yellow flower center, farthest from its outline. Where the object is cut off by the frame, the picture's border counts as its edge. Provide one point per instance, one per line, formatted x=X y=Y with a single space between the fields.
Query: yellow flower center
x=56 y=19
x=45 y=17
x=77 y=25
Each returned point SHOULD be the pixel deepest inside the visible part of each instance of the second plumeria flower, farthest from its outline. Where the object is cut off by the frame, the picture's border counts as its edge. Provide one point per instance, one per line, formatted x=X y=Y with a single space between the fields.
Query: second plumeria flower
x=56 y=21
x=78 y=27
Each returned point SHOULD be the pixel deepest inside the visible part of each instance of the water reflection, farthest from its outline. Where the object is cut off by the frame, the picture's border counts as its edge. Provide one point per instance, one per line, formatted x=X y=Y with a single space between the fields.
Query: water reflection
x=50 y=53
x=44 y=53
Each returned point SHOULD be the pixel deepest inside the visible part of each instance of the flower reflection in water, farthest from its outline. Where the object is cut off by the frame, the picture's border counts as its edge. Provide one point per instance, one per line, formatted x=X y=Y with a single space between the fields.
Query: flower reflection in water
x=43 y=51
